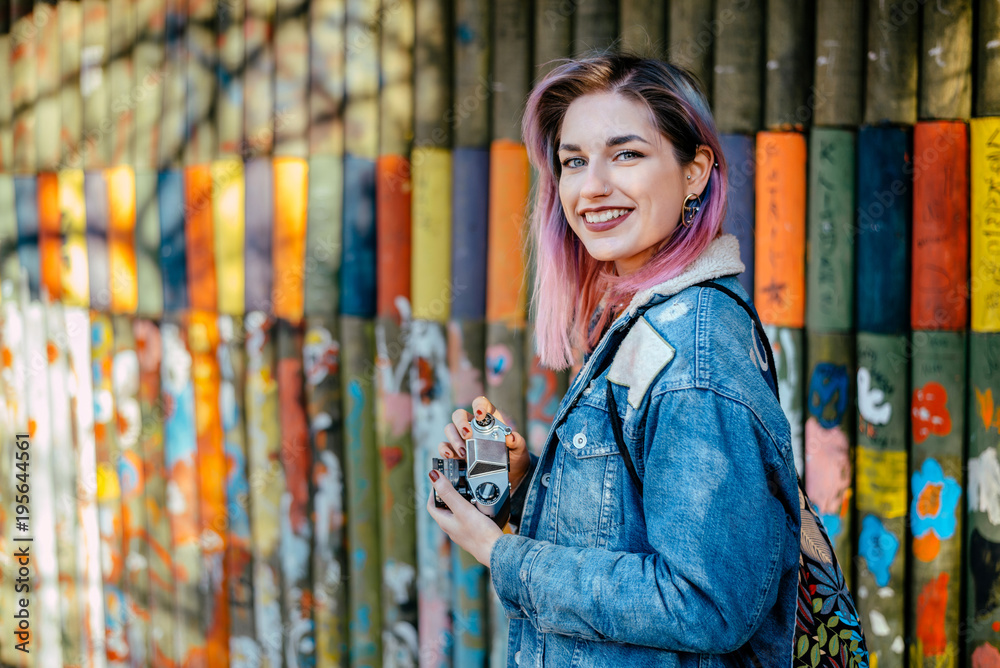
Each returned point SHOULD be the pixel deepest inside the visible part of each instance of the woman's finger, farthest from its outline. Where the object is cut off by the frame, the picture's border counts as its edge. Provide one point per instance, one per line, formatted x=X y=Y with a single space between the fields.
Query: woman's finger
x=445 y=451
x=461 y=418
x=456 y=441
x=481 y=406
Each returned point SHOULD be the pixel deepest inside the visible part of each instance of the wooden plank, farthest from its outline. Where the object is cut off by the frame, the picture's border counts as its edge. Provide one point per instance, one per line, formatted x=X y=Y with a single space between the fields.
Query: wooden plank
x=47 y=73
x=149 y=351
x=595 y=26
x=291 y=79
x=149 y=278
x=883 y=223
x=109 y=492
x=173 y=262
x=70 y=102
x=984 y=171
x=323 y=235
x=132 y=477
x=781 y=228
x=471 y=112
x=553 y=35
x=291 y=188
x=295 y=519
x=361 y=121
x=830 y=222
x=200 y=64
x=545 y=389
x=512 y=56
x=506 y=296
x=891 y=74
x=643 y=26
x=6 y=104
x=946 y=60
x=199 y=237
x=321 y=359
x=95 y=189
x=988 y=59
x=10 y=263
x=64 y=479
x=327 y=19
x=75 y=271
x=230 y=18
x=433 y=74
x=690 y=39
x=26 y=209
x=396 y=96
x=267 y=485
x=229 y=233
x=149 y=59
x=244 y=648
x=203 y=341
x=123 y=35
x=88 y=536
x=470 y=597
x=938 y=385
x=259 y=214
x=361 y=473
x=49 y=235
x=741 y=164
x=44 y=606
x=172 y=134
x=121 y=239
x=739 y=54
x=94 y=87
x=940 y=226
x=981 y=526
x=258 y=97
x=357 y=287
x=470 y=204
x=840 y=62
x=181 y=462
x=24 y=85
x=882 y=482
x=830 y=440
x=788 y=346
x=788 y=76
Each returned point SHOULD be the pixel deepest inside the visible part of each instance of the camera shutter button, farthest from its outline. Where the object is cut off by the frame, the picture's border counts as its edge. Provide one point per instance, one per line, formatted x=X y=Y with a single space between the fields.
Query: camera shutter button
x=580 y=441
x=487 y=492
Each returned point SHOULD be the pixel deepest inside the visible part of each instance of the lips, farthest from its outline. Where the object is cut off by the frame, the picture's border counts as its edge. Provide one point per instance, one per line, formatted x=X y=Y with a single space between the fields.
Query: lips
x=605 y=225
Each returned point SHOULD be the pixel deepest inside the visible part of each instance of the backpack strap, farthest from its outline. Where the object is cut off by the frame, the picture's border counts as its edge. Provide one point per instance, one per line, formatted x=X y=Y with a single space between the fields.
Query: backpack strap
x=616 y=426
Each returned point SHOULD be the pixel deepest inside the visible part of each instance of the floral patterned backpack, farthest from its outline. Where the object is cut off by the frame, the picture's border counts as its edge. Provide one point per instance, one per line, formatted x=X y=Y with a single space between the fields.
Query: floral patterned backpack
x=828 y=631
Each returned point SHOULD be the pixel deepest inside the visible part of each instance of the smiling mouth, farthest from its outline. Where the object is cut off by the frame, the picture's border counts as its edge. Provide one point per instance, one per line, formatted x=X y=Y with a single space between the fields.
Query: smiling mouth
x=605 y=220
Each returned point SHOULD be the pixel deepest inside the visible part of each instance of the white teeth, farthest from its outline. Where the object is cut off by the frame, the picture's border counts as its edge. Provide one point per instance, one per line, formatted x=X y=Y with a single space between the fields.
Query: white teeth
x=604 y=216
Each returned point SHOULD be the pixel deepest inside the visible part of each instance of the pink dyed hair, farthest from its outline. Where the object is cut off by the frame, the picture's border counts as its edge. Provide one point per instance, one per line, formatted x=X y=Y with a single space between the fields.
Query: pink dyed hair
x=569 y=282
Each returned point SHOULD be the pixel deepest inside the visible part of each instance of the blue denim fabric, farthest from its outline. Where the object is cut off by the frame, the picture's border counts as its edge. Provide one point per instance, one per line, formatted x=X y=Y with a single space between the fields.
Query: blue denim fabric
x=702 y=570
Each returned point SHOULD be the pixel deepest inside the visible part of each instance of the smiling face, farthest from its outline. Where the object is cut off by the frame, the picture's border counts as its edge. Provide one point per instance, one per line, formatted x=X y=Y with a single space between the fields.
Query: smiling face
x=621 y=187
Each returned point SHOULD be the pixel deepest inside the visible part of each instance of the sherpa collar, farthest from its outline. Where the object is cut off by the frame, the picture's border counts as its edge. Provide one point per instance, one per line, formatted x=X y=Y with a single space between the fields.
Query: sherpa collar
x=721 y=258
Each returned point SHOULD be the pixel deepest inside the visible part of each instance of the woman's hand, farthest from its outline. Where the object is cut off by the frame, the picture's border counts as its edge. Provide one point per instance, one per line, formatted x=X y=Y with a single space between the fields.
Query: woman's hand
x=461 y=429
x=470 y=529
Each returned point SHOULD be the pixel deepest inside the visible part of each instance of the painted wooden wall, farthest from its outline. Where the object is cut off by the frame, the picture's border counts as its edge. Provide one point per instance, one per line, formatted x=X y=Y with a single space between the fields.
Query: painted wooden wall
x=254 y=253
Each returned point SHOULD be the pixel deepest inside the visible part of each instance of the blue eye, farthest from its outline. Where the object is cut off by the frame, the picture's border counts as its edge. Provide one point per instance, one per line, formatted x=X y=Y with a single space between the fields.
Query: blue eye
x=629 y=153
x=567 y=161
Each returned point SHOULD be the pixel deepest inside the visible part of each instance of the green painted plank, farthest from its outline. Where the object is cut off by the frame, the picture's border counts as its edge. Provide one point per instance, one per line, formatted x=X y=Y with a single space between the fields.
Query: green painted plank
x=945 y=86
x=891 y=73
x=691 y=35
x=739 y=64
x=840 y=62
x=788 y=77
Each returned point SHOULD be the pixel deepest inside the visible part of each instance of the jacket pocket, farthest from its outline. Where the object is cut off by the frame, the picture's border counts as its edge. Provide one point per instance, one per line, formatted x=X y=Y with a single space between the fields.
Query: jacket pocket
x=586 y=480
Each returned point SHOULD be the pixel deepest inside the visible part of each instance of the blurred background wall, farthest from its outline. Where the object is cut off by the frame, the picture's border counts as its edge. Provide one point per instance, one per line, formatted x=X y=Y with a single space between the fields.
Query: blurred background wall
x=255 y=252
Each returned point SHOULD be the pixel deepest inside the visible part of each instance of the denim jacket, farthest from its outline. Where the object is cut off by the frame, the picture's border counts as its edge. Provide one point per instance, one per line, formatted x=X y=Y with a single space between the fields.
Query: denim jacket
x=702 y=568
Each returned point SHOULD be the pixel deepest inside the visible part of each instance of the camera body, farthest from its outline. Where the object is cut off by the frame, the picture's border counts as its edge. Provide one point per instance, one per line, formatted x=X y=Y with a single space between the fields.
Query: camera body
x=482 y=478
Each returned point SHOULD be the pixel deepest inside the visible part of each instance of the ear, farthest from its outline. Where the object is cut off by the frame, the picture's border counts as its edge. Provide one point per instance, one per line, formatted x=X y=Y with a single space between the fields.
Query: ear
x=699 y=169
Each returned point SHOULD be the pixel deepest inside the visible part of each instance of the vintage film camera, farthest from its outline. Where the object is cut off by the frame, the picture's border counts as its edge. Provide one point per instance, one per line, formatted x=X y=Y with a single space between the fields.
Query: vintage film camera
x=482 y=477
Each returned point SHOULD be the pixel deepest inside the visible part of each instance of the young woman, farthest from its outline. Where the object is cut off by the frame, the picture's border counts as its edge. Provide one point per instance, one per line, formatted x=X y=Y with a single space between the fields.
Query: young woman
x=681 y=550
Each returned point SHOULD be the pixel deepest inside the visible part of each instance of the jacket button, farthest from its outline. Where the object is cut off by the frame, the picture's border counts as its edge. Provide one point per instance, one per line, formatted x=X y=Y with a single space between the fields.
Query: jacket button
x=580 y=440
x=517 y=657
x=545 y=479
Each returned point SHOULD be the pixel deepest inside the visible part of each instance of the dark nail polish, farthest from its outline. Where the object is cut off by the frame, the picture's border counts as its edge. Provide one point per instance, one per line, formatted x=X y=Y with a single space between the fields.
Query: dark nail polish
x=447 y=455
x=461 y=452
x=434 y=475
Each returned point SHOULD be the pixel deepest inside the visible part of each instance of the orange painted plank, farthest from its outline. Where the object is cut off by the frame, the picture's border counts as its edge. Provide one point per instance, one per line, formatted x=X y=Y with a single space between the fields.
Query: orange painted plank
x=394 y=236
x=510 y=182
x=200 y=245
x=780 y=248
x=121 y=240
x=50 y=234
x=940 y=226
x=291 y=180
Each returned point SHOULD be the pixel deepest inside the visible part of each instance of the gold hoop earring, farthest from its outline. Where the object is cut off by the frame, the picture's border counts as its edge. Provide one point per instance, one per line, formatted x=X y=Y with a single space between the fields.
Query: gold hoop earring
x=689 y=211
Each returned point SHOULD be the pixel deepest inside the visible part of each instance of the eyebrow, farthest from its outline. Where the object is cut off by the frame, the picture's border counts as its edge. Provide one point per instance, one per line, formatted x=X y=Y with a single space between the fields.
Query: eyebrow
x=612 y=141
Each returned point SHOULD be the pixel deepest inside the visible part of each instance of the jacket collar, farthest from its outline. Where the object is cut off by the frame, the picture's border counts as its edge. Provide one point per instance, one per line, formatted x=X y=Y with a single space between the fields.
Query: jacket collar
x=721 y=258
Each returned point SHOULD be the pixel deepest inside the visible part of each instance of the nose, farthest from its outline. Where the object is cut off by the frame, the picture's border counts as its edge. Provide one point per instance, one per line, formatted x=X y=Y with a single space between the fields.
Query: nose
x=595 y=184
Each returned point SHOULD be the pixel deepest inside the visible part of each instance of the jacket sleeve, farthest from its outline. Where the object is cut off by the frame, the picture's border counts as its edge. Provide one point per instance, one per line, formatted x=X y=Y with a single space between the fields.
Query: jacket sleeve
x=716 y=531
x=519 y=495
